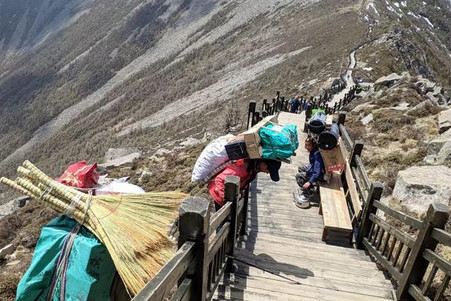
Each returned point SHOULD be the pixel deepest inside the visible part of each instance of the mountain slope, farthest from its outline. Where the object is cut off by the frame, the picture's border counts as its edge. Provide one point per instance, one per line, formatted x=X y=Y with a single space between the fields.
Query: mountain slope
x=154 y=62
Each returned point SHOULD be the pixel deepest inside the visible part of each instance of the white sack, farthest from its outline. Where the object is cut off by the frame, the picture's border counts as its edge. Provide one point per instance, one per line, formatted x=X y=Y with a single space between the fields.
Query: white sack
x=119 y=187
x=211 y=158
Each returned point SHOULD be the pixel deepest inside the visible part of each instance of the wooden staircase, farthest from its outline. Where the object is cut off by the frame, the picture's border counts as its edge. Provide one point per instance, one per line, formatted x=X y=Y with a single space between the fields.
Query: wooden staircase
x=282 y=257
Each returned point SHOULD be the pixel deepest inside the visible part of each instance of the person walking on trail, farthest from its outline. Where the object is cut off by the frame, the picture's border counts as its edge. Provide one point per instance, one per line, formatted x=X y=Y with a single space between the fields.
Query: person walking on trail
x=308 y=108
x=246 y=171
x=314 y=171
x=294 y=104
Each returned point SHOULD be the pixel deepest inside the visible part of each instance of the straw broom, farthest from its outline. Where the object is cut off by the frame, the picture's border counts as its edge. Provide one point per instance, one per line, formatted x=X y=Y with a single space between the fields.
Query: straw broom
x=132 y=227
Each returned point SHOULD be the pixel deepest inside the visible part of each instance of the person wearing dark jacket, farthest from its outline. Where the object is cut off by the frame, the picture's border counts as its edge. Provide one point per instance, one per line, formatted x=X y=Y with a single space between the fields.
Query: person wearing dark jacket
x=294 y=104
x=313 y=172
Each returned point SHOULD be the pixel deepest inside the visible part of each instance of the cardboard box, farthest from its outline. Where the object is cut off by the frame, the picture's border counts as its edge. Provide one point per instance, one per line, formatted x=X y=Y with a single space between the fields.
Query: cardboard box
x=252 y=138
x=333 y=159
x=254 y=151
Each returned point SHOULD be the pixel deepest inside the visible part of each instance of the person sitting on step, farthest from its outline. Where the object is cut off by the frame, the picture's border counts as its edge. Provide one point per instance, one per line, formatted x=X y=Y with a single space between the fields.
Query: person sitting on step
x=313 y=172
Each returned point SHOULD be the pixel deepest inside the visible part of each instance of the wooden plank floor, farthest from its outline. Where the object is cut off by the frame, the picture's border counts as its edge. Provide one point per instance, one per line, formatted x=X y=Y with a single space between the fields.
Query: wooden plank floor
x=282 y=256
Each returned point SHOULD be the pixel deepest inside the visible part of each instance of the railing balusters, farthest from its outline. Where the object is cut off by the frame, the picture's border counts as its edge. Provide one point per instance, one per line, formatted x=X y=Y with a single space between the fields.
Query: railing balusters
x=384 y=244
x=231 y=191
x=429 y=280
x=442 y=288
x=402 y=265
x=398 y=253
x=391 y=248
x=436 y=217
x=379 y=240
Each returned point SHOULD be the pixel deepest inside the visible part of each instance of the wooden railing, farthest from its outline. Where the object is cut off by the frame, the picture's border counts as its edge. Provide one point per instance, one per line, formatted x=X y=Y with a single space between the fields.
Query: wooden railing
x=206 y=245
x=411 y=259
x=206 y=248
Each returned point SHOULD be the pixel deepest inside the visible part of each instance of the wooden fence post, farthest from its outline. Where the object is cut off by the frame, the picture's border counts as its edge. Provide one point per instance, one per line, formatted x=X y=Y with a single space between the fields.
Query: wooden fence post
x=436 y=217
x=341 y=118
x=356 y=151
x=251 y=113
x=375 y=193
x=231 y=189
x=194 y=221
x=245 y=206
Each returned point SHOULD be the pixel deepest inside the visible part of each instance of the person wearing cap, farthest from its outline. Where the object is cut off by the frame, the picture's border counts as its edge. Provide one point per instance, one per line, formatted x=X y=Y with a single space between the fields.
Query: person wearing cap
x=246 y=171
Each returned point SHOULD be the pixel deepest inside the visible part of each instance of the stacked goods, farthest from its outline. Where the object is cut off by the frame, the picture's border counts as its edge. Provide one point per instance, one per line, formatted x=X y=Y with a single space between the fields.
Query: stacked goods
x=267 y=135
x=317 y=123
x=266 y=140
x=279 y=142
x=132 y=227
x=328 y=139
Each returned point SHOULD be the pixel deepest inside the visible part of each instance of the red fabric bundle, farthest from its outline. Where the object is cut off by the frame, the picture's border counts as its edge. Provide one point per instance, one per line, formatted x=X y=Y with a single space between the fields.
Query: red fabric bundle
x=80 y=175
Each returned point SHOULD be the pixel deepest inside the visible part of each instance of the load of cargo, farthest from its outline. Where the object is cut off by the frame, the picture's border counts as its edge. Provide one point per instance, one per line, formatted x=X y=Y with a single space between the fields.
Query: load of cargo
x=265 y=140
x=326 y=133
x=121 y=230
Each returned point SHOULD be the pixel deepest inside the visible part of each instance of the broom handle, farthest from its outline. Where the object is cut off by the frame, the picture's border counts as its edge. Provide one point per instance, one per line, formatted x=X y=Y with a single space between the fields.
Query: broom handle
x=58 y=205
x=66 y=192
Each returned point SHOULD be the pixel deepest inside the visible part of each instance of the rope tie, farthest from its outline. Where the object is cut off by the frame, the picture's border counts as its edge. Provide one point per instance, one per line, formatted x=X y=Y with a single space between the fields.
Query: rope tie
x=63 y=259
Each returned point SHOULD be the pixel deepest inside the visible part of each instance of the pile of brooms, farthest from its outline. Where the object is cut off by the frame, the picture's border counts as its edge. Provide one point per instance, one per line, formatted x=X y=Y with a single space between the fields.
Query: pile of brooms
x=132 y=227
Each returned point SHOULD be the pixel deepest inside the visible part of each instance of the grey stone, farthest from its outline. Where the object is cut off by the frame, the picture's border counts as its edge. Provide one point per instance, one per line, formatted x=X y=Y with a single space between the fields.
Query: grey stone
x=421 y=105
x=430 y=159
x=21 y=201
x=419 y=186
x=359 y=108
x=444 y=121
x=436 y=145
x=387 y=81
x=8 y=249
x=444 y=155
x=402 y=106
x=433 y=98
x=121 y=160
x=367 y=119
x=426 y=85
x=442 y=100
x=145 y=176
x=115 y=153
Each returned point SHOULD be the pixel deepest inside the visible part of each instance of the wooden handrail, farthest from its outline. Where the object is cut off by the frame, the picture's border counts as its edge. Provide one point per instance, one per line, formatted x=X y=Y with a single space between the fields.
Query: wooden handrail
x=438 y=261
x=442 y=237
x=184 y=291
x=401 y=236
x=408 y=220
x=164 y=281
x=217 y=241
x=362 y=172
x=219 y=217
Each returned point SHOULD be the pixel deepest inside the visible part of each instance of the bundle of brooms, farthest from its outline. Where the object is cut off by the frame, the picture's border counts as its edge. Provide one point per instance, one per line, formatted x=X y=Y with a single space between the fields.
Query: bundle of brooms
x=132 y=227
